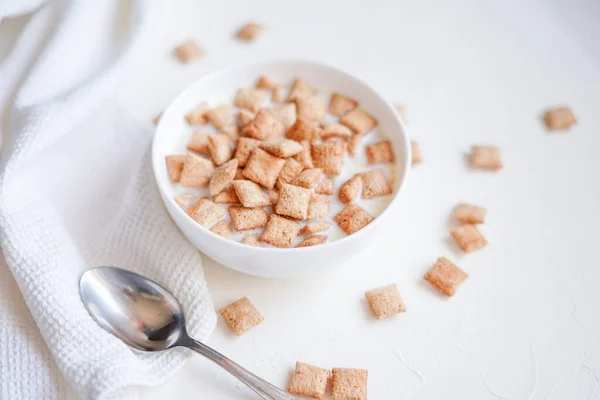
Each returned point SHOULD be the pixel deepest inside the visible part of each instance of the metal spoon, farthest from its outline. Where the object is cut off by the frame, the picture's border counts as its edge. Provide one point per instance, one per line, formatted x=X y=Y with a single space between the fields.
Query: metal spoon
x=147 y=317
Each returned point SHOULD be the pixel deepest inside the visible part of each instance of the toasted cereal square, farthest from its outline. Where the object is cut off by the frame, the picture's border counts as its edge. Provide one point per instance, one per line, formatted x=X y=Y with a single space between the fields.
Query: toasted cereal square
x=403 y=113
x=157 y=118
x=353 y=218
x=286 y=113
x=196 y=171
x=175 y=166
x=264 y=82
x=329 y=156
x=303 y=129
x=241 y=316
x=308 y=178
x=250 y=194
x=231 y=131
x=340 y=104
x=290 y=170
x=559 y=118
x=350 y=189
x=245 y=147
x=280 y=231
x=300 y=90
x=220 y=116
x=375 y=184
x=249 y=32
x=469 y=214
x=293 y=201
x=486 y=157
x=222 y=177
x=385 y=301
x=220 y=148
x=309 y=381
x=251 y=99
x=335 y=130
x=282 y=148
x=318 y=207
x=305 y=157
x=263 y=168
x=468 y=238
x=252 y=239
x=380 y=153
x=265 y=126
x=185 y=199
x=415 y=150
x=359 y=121
x=188 y=51
x=349 y=384
x=312 y=241
x=222 y=228
x=313 y=108
x=197 y=115
x=245 y=117
x=315 y=227
x=227 y=196
x=353 y=144
x=199 y=142
x=273 y=196
x=205 y=212
x=445 y=276
x=247 y=218
x=325 y=187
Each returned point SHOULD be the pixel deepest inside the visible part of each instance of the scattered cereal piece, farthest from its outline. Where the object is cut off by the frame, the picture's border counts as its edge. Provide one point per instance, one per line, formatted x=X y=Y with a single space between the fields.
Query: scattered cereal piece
x=220 y=148
x=353 y=144
x=304 y=157
x=250 y=194
x=340 y=104
x=335 y=130
x=188 y=51
x=265 y=126
x=359 y=121
x=282 y=148
x=205 y=212
x=280 y=231
x=375 y=184
x=249 y=32
x=273 y=196
x=445 y=276
x=303 y=129
x=403 y=113
x=313 y=108
x=222 y=177
x=486 y=157
x=329 y=156
x=197 y=115
x=312 y=241
x=251 y=99
x=350 y=189
x=300 y=90
x=559 y=118
x=252 y=239
x=196 y=171
x=232 y=131
x=264 y=82
x=308 y=178
x=385 y=301
x=325 y=187
x=286 y=114
x=380 y=153
x=309 y=381
x=353 y=218
x=468 y=238
x=469 y=214
x=315 y=227
x=157 y=118
x=247 y=218
x=174 y=166
x=241 y=316
x=185 y=199
x=222 y=228
x=318 y=207
x=263 y=168
x=245 y=117
x=415 y=149
x=245 y=147
x=199 y=142
x=227 y=196
x=290 y=170
x=293 y=201
x=220 y=116
x=349 y=384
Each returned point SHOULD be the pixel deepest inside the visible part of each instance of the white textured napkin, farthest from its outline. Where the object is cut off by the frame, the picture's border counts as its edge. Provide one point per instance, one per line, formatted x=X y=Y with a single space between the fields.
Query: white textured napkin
x=76 y=191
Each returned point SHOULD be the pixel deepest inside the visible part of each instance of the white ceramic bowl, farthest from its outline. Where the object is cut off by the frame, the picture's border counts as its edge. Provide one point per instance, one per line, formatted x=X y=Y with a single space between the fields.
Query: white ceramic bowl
x=173 y=131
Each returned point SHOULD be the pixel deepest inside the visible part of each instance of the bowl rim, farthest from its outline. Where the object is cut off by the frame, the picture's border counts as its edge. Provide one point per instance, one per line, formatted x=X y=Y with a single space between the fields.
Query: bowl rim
x=329 y=245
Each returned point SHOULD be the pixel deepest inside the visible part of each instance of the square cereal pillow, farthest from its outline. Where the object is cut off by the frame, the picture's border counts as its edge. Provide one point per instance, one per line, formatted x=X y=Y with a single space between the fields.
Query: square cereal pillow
x=263 y=168
x=312 y=241
x=349 y=384
x=353 y=218
x=196 y=171
x=445 y=276
x=468 y=238
x=329 y=156
x=247 y=218
x=309 y=381
x=251 y=99
x=250 y=194
x=359 y=121
x=293 y=201
x=280 y=231
x=340 y=104
x=375 y=184
x=385 y=301
x=486 y=157
x=380 y=153
x=205 y=212
x=241 y=316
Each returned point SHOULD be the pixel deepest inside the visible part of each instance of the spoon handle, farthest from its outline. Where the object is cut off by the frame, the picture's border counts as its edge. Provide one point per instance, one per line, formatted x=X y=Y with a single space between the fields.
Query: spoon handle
x=263 y=388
